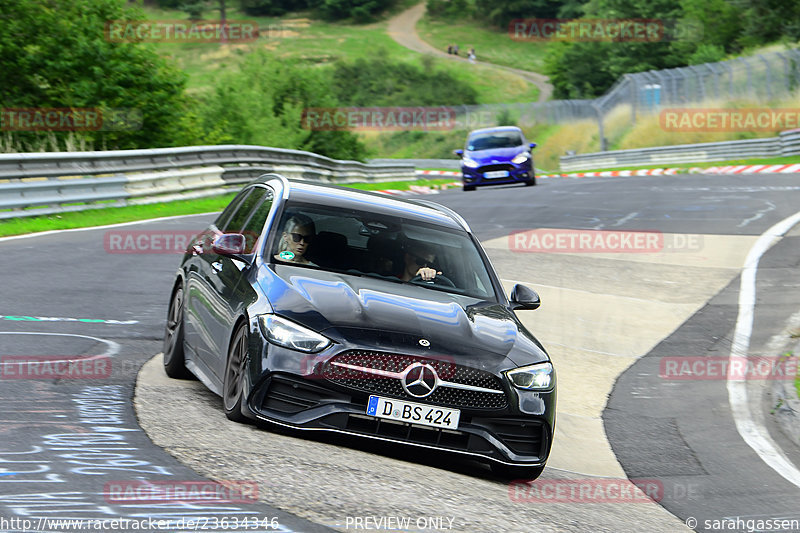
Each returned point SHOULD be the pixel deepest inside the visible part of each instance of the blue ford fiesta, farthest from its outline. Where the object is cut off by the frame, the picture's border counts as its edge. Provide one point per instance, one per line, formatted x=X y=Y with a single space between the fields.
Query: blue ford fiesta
x=494 y=156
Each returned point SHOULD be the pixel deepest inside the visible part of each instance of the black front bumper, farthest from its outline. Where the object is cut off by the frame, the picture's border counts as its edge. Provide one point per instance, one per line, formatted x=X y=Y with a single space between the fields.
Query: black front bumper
x=501 y=436
x=516 y=174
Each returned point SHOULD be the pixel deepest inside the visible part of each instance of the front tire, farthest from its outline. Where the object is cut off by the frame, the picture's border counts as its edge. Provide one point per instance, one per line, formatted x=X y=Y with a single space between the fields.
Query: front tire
x=469 y=187
x=174 y=360
x=232 y=389
x=511 y=472
x=530 y=182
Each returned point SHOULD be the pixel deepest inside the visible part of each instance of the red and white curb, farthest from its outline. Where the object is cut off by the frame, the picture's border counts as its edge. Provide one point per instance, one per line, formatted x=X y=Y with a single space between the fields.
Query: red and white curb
x=618 y=173
x=420 y=189
x=438 y=173
x=733 y=169
x=728 y=170
x=755 y=169
x=604 y=174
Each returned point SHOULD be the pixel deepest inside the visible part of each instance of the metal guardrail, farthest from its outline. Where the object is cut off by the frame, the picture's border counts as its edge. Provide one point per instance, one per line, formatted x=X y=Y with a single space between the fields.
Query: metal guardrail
x=453 y=164
x=787 y=144
x=51 y=182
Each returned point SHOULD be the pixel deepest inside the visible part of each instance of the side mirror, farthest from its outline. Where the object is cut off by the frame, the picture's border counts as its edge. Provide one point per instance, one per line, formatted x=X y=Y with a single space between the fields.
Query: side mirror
x=459 y=153
x=232 y=244
x=524 y=298
x=533 y=145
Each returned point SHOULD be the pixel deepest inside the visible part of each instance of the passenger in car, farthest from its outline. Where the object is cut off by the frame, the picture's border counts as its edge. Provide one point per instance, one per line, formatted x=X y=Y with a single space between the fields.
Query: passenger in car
x=418 y=260
x=297 y=236
x=384 y=257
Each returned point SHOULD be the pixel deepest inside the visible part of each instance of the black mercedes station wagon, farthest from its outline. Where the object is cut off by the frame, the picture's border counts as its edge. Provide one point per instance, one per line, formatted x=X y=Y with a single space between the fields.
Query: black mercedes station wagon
x=323 y=308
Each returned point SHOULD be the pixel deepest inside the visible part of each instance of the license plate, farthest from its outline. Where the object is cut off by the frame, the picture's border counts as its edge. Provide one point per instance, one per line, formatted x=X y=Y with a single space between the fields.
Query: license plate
x=496 y=174
x=415 y=413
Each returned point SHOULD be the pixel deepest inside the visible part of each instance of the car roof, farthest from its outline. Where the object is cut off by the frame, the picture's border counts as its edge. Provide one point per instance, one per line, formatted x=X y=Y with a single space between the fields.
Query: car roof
x=348 y=198
x=495 y=129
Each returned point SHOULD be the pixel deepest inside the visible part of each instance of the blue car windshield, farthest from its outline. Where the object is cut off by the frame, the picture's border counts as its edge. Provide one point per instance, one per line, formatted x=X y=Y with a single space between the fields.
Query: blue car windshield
x=497 y=139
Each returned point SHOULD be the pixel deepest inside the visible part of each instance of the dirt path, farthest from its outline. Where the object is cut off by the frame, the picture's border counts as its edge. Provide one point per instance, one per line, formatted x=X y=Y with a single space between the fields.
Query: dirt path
x=402 y=28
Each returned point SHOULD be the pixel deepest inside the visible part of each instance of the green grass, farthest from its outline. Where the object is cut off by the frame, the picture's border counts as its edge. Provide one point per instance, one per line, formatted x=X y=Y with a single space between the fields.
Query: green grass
x=111 y=215
x=115 y=215
x=401 y=185
x=797 y=384
x=318 y=42
x=491 y=45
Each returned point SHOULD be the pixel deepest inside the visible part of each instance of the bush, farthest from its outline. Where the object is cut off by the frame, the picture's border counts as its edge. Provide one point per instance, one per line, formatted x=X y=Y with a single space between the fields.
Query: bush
x=271 y=8
x=262 y=104
x=194 y=10
x=707 y=53
x=449 y=8
x=375 y=81
x=358 y=10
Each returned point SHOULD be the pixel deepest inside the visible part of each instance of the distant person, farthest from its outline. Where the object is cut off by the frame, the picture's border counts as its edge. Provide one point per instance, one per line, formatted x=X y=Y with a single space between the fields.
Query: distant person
x=455 y=49
x=450 y=49
x=471 y=55
x=298 y=234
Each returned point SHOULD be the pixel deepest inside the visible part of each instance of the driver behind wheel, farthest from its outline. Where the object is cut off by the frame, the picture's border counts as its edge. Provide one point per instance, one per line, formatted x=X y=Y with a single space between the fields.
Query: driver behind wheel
x=419 y=260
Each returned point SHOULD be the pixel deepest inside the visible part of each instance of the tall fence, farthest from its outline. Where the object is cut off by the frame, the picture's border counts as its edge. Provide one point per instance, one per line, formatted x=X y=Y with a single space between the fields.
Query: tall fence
x=760 y=79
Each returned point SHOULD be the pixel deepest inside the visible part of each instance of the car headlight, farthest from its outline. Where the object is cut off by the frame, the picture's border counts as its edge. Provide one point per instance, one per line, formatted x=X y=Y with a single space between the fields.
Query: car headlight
x=470 y=163
x=291 y=335
x=521 y=158
x=532 y=377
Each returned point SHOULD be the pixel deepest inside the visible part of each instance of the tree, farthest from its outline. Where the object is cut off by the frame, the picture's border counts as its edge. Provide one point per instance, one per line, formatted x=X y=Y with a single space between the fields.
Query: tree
x=588 y=69
x=262 y=103
x=60 y=57
x=502 y=12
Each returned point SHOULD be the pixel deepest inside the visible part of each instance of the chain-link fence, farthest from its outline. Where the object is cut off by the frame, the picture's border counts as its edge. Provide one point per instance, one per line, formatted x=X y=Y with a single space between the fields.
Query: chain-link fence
x=758 y=79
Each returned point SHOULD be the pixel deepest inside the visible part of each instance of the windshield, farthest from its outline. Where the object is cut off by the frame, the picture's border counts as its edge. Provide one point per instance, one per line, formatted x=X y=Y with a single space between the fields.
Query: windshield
x=496 y=139
x=390 y=248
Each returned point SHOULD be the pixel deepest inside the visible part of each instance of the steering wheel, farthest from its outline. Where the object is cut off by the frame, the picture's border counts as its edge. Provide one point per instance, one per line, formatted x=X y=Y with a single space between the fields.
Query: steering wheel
x=439 y=279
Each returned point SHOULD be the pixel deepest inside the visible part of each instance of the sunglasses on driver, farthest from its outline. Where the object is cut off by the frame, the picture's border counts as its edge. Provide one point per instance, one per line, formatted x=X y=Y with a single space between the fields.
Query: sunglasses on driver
x=297 y=237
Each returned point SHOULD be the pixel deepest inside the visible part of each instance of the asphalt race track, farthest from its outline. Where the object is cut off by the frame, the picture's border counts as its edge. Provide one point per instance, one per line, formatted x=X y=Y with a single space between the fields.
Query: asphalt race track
x=610 y=318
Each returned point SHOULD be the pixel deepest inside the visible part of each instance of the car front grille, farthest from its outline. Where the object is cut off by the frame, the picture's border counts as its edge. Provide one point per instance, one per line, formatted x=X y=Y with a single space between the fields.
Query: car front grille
x=491 y=168
x=353 y=377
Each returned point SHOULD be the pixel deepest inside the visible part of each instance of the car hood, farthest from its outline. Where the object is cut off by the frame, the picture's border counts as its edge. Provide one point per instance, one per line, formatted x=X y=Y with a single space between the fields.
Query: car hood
x=501 y=155
x=367 y=311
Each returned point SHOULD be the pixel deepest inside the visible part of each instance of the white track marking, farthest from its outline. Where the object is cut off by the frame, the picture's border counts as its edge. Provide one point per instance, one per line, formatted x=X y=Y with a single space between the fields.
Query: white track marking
x=113 y=347
x=756 y=436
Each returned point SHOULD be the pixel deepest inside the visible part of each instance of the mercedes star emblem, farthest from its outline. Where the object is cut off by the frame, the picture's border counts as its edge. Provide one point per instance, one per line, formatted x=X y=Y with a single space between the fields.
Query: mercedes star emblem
x=419 y=380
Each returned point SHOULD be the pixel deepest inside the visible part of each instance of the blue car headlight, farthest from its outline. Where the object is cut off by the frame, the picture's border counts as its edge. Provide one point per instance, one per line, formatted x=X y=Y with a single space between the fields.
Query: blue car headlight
x=470 y=163
x=291 y=335
x=521 y=158
x=532 y=377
